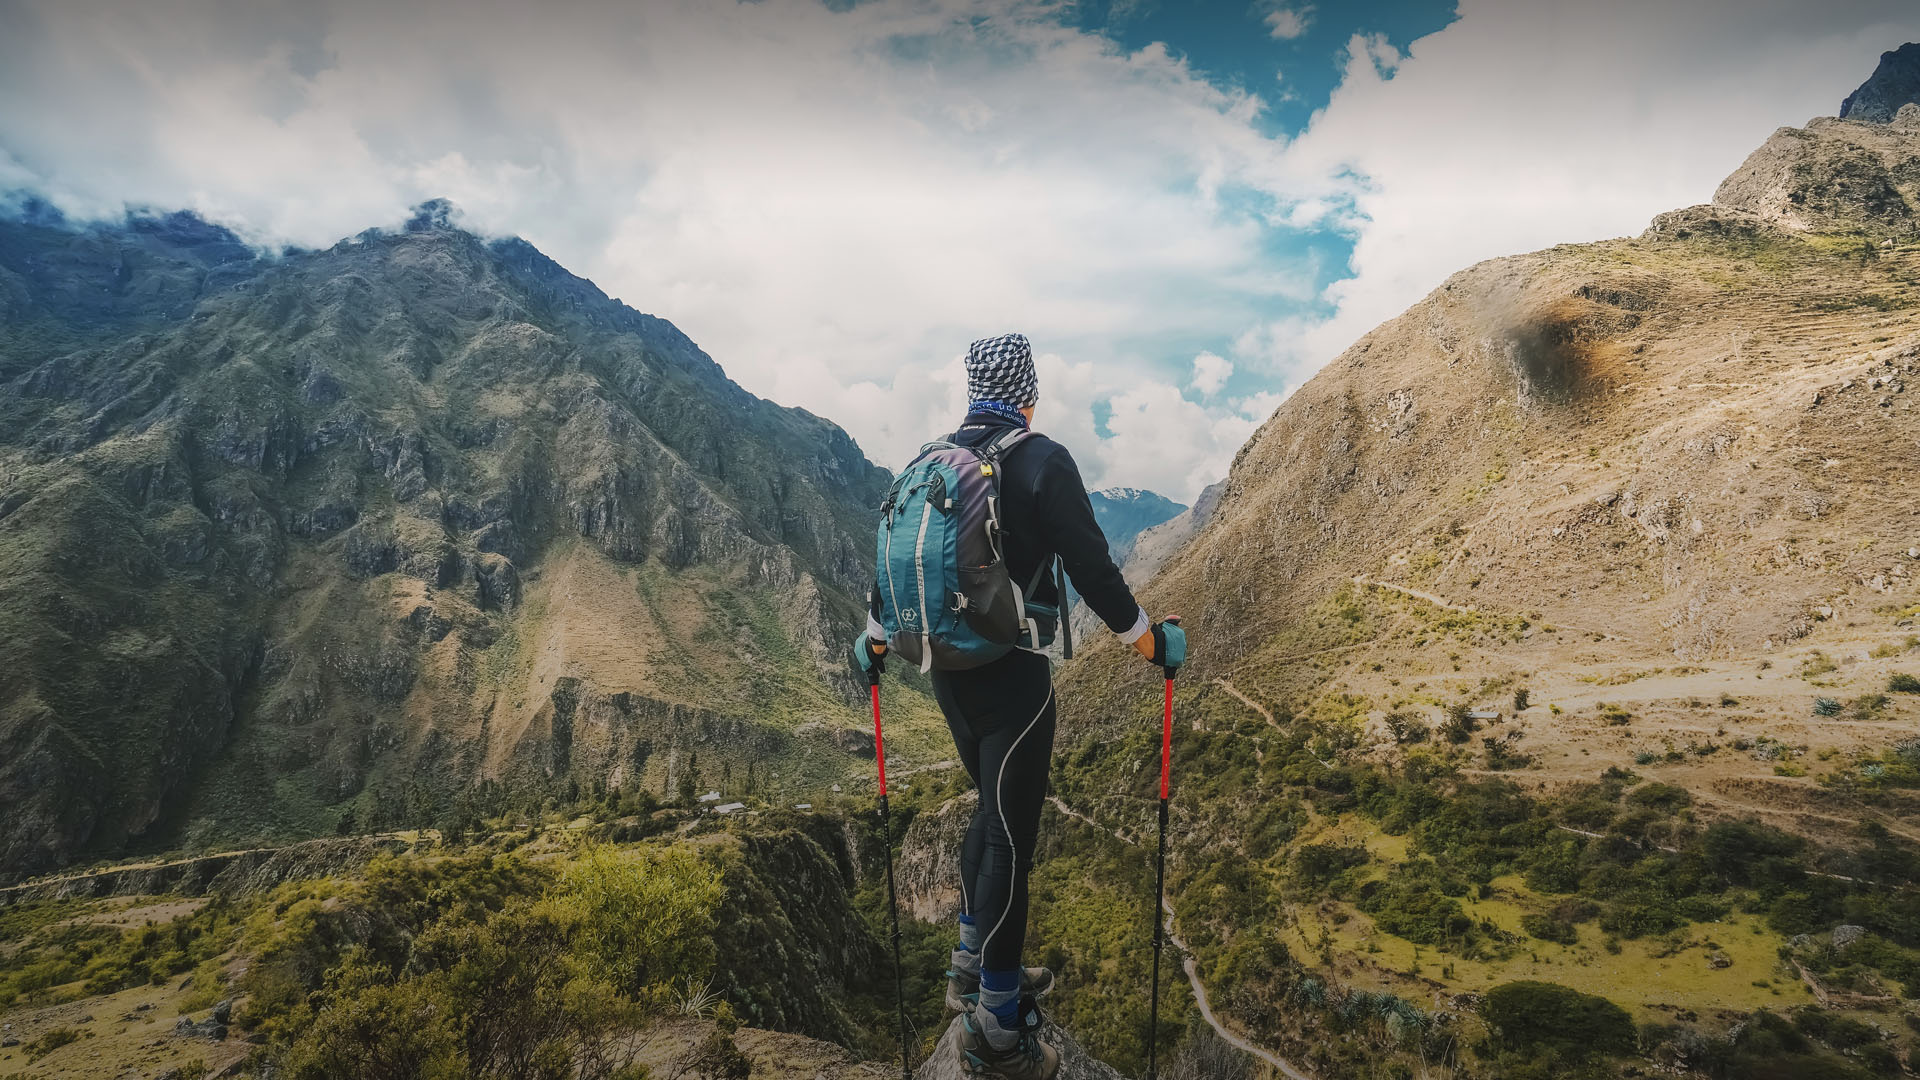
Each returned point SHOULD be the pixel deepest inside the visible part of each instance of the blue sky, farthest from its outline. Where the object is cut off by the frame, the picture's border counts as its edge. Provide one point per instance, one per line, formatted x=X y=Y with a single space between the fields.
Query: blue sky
x=1290 y=57
x=1189 y=207
x=1290 y=54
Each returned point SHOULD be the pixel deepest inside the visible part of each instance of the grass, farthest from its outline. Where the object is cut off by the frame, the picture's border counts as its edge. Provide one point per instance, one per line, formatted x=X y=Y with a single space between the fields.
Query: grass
x=1644 y=974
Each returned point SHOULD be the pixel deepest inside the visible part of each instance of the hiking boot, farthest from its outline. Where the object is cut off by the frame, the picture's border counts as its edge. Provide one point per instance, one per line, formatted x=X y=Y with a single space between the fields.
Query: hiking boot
x=963 y=980
x=989 y=1050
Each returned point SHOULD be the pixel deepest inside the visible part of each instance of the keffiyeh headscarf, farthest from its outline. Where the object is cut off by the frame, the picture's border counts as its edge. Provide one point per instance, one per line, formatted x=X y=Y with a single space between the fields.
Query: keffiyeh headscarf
x=1000 y=372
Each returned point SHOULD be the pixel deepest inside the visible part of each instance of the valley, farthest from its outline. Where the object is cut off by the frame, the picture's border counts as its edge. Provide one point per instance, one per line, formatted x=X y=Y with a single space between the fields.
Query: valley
x=423 y=665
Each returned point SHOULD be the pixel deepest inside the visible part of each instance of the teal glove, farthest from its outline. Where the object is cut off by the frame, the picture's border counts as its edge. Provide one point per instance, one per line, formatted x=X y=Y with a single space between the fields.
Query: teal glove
x=1169 y=645
x=870 y=663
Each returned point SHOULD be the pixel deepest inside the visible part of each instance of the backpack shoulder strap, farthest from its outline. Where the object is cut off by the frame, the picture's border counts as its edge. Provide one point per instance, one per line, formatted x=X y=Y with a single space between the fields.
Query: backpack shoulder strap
x=997 y=447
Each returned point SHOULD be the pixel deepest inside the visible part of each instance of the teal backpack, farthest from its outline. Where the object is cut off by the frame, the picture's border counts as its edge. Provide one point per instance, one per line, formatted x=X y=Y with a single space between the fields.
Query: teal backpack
x=943 y=594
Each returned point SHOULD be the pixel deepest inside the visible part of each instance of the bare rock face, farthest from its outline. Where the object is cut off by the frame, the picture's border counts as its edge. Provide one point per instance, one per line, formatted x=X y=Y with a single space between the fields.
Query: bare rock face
x=930 y=860
x=1896 y=82
x=1831 y=176
x=946 y=1063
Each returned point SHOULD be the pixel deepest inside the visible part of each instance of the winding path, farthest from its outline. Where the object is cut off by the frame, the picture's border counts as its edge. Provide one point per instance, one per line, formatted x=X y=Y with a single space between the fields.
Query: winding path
x=1206 y=1011
x=1436 y=601
x=1188 y=963
x=1249 y=702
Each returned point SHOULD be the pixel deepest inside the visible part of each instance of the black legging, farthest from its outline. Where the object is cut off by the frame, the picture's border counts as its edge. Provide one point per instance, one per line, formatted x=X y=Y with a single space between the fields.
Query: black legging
x=1001 y=715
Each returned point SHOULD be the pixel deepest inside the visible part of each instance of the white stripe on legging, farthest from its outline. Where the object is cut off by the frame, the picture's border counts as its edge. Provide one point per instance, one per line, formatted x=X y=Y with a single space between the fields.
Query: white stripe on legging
x=1001 y=809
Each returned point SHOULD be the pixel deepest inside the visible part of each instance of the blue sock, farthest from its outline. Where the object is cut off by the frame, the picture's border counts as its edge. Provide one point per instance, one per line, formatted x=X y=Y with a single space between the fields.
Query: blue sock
x=969 y=934
x=1000 y=993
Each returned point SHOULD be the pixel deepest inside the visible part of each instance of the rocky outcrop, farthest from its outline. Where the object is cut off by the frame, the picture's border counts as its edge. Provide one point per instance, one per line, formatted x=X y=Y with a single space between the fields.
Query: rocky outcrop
x=1896 y=82
x=1831 y=176
x=947 y=1063
x=929 y=869
x=791 y=940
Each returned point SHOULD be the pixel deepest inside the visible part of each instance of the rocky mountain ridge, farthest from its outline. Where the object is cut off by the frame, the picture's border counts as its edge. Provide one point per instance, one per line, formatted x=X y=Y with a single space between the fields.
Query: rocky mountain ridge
x=1893 y=84
x=337 y=535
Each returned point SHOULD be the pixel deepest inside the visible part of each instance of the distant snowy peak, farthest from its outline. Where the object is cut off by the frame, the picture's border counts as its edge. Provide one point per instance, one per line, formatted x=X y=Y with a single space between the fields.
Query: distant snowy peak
x=1124 y=512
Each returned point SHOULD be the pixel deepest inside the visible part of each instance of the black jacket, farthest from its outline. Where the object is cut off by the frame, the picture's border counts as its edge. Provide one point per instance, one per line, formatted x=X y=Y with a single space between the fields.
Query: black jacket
x=1045 y=511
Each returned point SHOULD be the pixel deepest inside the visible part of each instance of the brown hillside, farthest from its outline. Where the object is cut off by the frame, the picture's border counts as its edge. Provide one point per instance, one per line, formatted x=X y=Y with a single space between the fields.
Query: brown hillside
x=1701 y=440
x=1675 y=477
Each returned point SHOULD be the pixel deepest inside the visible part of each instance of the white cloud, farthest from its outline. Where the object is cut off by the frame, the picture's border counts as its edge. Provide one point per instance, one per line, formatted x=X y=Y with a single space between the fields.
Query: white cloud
x=1524 y=125
x=832 y=203
x=1287 y=23
x=1210 y=372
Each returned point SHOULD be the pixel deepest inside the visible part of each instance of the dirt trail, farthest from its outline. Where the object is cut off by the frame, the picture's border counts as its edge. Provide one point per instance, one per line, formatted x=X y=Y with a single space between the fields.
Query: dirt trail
x=1365 y=581
x=1206 y=1010
x=1249 y=702
x=1191 y=967
x=1715 y=798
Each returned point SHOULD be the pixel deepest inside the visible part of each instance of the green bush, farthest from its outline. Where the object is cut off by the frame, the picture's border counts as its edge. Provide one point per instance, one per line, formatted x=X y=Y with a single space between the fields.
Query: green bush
x=50 y=1040
x=1548 y=928
x=1663 y=797
x=1531 y=1016
x=1902 y=683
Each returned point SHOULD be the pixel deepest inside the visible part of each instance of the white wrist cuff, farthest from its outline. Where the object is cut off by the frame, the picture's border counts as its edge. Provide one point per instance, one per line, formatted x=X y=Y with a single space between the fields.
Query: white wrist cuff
x=1140 y=626
x=875 y=631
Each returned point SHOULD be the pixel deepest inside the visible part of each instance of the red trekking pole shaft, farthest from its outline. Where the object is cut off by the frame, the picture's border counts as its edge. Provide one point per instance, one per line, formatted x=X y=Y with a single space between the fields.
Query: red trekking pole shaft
x=893 y=899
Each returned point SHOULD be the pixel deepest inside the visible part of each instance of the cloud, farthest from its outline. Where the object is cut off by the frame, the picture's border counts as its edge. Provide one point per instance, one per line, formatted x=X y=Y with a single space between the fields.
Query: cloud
x=1287 y=23
x=1524 y=125
x=832 y=203
x=1210 y=372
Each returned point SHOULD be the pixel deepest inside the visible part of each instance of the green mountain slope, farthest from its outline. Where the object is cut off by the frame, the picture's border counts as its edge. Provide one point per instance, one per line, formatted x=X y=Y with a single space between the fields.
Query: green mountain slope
x=326 y=540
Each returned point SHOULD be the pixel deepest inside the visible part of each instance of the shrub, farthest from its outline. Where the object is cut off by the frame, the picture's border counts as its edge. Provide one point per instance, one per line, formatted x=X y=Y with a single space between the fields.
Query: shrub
x=371 y=1026
x=1658 y=796
x=1459 y=725
x=1749 y=853
x=51 y=1040
x=1531 y=1015
x=643 y=920
x=1826 y=706
x=1902 y=683
x=1548 y=928
x=1316 y=865
x=1406 y=727
x=1521 y=699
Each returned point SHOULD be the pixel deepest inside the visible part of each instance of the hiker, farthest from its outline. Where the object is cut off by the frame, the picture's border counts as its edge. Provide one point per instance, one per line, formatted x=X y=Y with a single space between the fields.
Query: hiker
x=1017 y=496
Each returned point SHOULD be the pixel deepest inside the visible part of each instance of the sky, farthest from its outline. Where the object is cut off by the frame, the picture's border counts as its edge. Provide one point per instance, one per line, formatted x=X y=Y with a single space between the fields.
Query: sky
x=1189 y=207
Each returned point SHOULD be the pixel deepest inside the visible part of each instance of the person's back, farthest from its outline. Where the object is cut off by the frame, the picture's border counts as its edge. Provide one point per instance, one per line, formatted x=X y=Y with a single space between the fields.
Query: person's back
x=1001 y=712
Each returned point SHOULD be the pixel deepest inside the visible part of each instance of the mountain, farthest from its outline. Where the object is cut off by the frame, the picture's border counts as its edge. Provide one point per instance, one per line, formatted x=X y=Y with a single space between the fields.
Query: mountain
x=393 y=533
x=1689 y=440
x=1896 y=82
x=1555 y=645
x=1156 y=545
x=1124 y=513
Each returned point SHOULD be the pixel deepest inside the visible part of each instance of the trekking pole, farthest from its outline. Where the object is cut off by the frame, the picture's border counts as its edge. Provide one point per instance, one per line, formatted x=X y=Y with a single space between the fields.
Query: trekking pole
x=1160 y=877
x=893 y=898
